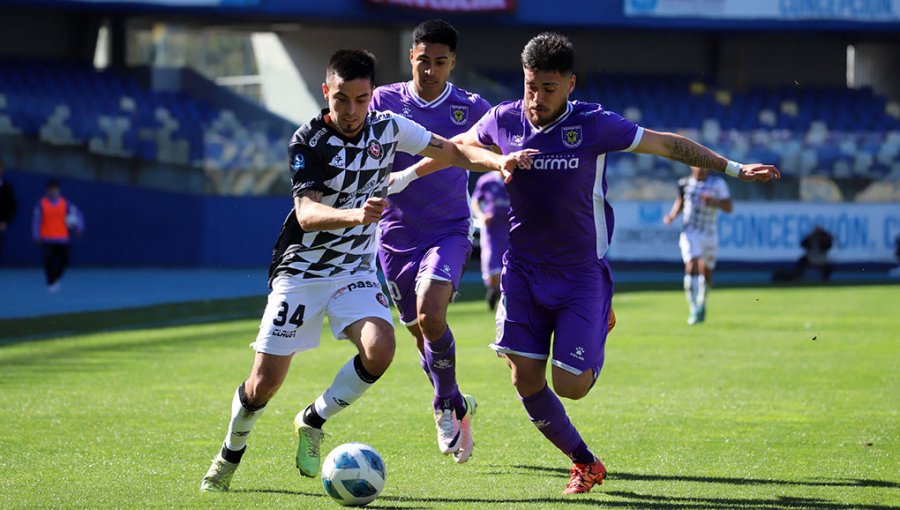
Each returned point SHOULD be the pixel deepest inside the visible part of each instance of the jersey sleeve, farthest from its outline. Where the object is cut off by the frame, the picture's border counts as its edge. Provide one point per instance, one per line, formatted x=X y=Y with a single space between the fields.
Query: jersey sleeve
x=722 y=190
x=682 y=183
x=307 y=169
x=412 y=138
x=486 y=128
x=376 y=104
x=617 y=133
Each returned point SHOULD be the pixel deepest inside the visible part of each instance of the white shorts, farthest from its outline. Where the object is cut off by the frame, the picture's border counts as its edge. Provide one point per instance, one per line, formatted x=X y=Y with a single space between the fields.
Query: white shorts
x=694 y=245
x=293 y=318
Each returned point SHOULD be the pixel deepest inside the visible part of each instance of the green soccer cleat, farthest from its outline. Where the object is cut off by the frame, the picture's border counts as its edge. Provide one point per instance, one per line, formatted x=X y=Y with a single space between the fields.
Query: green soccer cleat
x=309 y=439
x=218 y=478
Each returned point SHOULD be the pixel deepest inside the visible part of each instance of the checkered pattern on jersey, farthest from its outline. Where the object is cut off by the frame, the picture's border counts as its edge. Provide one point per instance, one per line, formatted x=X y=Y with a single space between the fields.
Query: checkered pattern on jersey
x=699 y=216
x=354 y=172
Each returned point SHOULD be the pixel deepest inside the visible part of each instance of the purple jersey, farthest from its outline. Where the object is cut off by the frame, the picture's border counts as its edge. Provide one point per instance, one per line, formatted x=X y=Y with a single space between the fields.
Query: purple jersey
x=559 y=216
x=435 y=205
x=490 y=193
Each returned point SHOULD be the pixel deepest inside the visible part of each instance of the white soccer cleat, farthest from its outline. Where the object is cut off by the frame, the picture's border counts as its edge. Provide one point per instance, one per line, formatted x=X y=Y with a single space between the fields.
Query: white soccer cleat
x=218 y=478
x=467 y=441
x=449 y=432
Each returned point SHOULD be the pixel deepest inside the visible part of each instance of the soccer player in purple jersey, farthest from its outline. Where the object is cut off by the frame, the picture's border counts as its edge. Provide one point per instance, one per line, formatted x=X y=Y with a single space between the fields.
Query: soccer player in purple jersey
x=426 y=230
x=556 y=281
x=323 y=263
x=490 y=205
x=700 y=196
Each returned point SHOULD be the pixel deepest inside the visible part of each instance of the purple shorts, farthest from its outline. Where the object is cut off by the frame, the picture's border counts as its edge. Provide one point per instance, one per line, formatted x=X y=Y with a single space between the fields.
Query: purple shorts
x=443 y=260
x=571 y=305
x=492 y=249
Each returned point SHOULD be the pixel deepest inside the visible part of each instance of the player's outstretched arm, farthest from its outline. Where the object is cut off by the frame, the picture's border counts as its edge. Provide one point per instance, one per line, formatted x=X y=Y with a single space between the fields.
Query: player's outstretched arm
x=314 y=216
x=679 y=148
x=463 y=151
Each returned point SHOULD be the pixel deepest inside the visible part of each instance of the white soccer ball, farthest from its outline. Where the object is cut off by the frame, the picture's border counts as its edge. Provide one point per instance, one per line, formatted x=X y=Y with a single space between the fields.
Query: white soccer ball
x=353 y=474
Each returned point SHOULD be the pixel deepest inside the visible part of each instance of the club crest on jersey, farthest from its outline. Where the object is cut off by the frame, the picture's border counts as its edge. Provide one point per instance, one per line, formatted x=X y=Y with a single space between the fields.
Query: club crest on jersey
x=298 y=163
x=383 y=300
x=571 y=136
x=459 y=114
x=375 y=149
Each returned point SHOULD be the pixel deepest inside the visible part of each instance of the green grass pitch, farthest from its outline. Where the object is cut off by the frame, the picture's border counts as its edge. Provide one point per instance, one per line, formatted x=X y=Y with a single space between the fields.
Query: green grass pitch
x=785 y=398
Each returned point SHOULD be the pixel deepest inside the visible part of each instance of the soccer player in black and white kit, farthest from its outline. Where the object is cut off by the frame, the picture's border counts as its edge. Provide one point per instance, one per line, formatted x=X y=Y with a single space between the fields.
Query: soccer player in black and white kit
x=324 y=259
x=700 y=196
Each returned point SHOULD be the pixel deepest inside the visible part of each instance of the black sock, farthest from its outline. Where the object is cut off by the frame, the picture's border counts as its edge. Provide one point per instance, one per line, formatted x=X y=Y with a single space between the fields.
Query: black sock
x=233 y=456
x=312 y=418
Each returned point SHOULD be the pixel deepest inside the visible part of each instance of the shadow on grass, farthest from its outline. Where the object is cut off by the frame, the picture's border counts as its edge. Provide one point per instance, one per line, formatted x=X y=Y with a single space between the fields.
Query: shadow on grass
x=634 y=477
x=13 y=331
x=624 y=499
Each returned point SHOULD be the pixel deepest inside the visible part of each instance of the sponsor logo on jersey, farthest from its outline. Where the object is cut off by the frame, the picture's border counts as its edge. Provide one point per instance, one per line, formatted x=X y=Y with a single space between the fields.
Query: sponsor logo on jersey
x=407 y=112
x=459 y=114
x=382 y=299
x=315 y=138
x=571 y=136
x=375 y=149
x=363 y=284
x=283 y=333
x=516 y=140
x=554 y=163
x=298 y=163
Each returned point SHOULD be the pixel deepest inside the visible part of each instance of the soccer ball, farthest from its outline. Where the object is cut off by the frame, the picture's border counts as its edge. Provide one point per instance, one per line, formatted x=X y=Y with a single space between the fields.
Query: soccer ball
x=353 y=474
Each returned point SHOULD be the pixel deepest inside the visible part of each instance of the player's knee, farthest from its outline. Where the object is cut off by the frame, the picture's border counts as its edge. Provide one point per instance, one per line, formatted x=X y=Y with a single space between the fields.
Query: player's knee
x=571 y=392
x=432 y=324
x=570 y=386
x=527 y=383
x=259 y=389
x=379 y=353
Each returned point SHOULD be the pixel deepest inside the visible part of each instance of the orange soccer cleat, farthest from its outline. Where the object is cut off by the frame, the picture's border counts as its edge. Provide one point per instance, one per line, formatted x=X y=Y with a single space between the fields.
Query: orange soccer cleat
x=585 y=476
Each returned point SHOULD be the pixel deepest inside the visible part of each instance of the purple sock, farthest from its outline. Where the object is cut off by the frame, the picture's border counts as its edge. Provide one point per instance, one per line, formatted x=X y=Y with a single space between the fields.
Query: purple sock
x=548 y=415
x=441 y=357
x=424 y=365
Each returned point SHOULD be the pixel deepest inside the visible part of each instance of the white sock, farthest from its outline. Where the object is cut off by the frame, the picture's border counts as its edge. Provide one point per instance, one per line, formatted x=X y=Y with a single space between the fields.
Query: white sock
x=701 y=291
x=242 y=420
x=347 y=387
x=689 y=292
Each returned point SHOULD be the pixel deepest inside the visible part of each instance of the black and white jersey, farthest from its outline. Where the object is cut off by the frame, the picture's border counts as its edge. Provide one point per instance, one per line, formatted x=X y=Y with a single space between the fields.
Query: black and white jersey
x=347 y=172
x=698 y=216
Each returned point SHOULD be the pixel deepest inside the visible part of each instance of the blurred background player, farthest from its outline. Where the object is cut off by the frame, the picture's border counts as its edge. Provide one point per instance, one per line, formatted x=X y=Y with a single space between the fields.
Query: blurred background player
x=816 y=246
x=54 y=220
x=8 y=205
x=426 y=229
x=324 y=259
x=556 y=281
x=490 y=205
x=701 y=196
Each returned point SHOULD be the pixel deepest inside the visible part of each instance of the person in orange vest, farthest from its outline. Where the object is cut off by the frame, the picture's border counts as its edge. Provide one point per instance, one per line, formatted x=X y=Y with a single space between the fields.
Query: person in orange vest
x=55 y=219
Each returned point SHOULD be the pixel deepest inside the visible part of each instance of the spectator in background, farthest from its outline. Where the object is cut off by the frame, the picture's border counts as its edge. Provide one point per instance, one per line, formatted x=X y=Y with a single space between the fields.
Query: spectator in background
x=490 y=205
x=700 y=196
x=55 y=219
x=7 y=205
x=815 y=252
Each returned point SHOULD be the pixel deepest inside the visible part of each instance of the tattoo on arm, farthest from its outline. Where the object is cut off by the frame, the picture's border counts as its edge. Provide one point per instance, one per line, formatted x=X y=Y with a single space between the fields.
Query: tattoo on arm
x=693 y=154
x=438 y=144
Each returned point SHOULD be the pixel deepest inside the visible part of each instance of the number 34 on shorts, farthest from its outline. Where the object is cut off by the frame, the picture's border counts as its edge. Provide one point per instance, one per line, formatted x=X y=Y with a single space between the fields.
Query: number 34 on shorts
x=292 y=321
